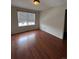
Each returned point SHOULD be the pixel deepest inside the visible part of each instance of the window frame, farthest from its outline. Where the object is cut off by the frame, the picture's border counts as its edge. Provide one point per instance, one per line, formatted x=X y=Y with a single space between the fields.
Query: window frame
x=26 y=12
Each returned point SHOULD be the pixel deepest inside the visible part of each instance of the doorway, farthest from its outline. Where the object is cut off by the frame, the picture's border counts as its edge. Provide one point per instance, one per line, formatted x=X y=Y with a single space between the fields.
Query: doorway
x=65 y=26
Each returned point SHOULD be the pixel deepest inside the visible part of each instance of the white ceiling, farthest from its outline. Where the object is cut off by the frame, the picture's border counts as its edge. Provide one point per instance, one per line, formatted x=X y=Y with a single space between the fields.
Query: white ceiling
x=44 y=4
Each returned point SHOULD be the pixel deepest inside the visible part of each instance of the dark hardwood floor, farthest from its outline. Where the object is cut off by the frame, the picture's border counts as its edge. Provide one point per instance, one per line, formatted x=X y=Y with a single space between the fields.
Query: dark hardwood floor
x=37 y=45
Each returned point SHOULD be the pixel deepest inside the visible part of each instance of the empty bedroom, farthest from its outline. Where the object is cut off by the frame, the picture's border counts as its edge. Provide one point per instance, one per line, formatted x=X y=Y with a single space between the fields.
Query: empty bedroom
x=38 y=29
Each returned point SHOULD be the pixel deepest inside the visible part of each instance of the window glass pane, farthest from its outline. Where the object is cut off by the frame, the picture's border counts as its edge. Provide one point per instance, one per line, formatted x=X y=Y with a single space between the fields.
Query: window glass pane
x=26 y=19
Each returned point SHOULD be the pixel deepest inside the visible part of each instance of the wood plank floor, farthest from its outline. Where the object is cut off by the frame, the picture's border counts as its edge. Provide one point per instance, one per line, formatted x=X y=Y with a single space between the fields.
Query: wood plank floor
x=37 y=45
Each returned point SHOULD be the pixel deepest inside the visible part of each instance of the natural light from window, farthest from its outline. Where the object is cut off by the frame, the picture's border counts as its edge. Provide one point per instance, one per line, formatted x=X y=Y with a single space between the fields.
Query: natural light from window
x=26 y=19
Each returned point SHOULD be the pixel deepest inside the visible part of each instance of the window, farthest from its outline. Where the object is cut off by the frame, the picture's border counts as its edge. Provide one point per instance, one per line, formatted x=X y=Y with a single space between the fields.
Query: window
x=26 y=19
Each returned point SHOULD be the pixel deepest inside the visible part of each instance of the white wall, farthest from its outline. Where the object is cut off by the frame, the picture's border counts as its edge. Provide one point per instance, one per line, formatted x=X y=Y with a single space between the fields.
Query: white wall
x=52 y=21
x=14 y=21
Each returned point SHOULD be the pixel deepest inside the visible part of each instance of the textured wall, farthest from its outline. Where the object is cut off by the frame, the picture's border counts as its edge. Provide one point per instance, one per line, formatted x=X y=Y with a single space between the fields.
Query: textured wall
x=52 y=21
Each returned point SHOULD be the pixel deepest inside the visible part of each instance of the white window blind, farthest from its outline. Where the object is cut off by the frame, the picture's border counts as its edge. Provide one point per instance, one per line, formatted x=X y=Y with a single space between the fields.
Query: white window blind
x=26 y=19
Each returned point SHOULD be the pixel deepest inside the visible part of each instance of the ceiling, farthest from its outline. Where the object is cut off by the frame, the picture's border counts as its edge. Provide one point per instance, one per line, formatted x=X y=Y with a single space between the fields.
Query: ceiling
x=44 y=4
